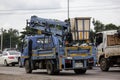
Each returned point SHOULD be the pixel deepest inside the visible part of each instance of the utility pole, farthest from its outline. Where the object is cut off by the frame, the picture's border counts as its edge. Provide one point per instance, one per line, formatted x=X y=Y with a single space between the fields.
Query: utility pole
x=68 y=9
x=10 y=41
x=69 y=28
x=1 y=39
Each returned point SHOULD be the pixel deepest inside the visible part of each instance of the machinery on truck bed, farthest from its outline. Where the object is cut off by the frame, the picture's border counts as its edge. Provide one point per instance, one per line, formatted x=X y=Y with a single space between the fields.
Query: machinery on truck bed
x=51 y=48
x=108 y=49
x=80 y=29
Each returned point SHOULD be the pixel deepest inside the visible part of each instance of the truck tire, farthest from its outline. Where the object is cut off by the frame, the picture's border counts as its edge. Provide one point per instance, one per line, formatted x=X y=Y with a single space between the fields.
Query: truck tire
x=50 y=68
x=104 y=64
x=28 y=67
x=80 y=71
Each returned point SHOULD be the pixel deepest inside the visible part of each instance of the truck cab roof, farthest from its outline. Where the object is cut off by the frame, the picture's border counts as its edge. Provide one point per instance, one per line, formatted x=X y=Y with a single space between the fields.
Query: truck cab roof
x=109 y=32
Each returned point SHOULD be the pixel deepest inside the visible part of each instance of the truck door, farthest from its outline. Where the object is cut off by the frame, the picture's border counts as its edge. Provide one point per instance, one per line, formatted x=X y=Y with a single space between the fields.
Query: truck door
x=25 y=48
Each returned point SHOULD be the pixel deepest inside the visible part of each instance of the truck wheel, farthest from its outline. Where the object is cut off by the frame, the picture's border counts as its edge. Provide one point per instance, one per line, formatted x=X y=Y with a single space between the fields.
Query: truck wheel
x=80 y=71
x=104 y=64
x=5 y=63
x=50 y=67
x=28 y=67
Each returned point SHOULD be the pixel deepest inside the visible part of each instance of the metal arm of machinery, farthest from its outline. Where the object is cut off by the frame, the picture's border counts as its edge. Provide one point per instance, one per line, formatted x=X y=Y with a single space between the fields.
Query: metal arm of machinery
x=53 y=26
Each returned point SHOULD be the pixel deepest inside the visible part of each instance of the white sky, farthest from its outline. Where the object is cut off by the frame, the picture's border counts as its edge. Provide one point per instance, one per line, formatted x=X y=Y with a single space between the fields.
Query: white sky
x=13 y=13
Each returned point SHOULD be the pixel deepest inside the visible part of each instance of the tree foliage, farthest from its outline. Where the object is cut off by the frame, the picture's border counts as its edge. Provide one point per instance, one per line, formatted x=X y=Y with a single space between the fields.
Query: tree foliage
x=28 y=31
x=99 y=26
x=10 y=36
x=111 y=27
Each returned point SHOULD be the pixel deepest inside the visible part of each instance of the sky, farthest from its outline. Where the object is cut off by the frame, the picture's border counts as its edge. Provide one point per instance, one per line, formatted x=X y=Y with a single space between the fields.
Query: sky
x=13 y=13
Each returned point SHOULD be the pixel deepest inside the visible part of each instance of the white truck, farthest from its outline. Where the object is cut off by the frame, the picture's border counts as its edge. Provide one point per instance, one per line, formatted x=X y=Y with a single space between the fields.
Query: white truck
x=108 y=49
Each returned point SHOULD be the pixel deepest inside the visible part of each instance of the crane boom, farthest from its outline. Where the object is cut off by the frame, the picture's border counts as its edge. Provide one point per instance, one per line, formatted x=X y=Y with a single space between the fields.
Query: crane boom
x=48 y=25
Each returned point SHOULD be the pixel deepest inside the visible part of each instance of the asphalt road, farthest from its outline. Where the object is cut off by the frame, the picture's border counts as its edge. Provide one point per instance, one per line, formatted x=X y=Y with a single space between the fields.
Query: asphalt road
x=16 y=73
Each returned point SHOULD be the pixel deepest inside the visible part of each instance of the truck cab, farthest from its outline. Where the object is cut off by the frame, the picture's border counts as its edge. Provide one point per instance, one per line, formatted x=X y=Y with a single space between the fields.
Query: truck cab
x=108 y=49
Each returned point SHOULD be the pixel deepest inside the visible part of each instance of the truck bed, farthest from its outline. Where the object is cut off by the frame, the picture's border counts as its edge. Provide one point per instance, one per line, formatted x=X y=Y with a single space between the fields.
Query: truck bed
x=112 y=50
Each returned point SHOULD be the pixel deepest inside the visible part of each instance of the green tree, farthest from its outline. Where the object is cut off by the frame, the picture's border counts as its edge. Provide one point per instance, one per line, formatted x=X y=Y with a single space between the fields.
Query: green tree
x=119 y=27
x=28 y=31
x=98 y=26
x=111 y=27
x=10 y=38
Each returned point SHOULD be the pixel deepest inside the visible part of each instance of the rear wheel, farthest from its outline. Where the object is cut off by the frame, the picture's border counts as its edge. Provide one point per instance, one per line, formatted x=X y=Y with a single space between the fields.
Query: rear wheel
x=28 y=67
x=5 y=63
x=80 y=71
x=104 y=64
x=50 y=67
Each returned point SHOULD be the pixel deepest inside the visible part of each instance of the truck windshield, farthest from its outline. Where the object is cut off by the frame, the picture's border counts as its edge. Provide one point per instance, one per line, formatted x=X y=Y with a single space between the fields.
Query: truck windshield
x=45 y=42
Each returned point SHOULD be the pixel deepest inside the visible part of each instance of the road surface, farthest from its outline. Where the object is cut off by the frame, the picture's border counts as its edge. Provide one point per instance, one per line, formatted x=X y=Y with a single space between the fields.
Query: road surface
x=16 y=73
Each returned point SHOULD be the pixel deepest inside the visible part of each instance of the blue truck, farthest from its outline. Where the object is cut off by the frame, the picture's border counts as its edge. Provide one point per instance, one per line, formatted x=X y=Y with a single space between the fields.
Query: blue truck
x=52 y=48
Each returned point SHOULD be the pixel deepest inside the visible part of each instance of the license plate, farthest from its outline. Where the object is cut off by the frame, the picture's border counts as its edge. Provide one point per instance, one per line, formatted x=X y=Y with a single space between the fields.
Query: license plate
x=77 y=65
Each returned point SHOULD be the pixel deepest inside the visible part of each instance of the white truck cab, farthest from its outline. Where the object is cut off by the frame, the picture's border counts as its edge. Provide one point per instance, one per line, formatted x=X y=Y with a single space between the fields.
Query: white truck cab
x=108 y=49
